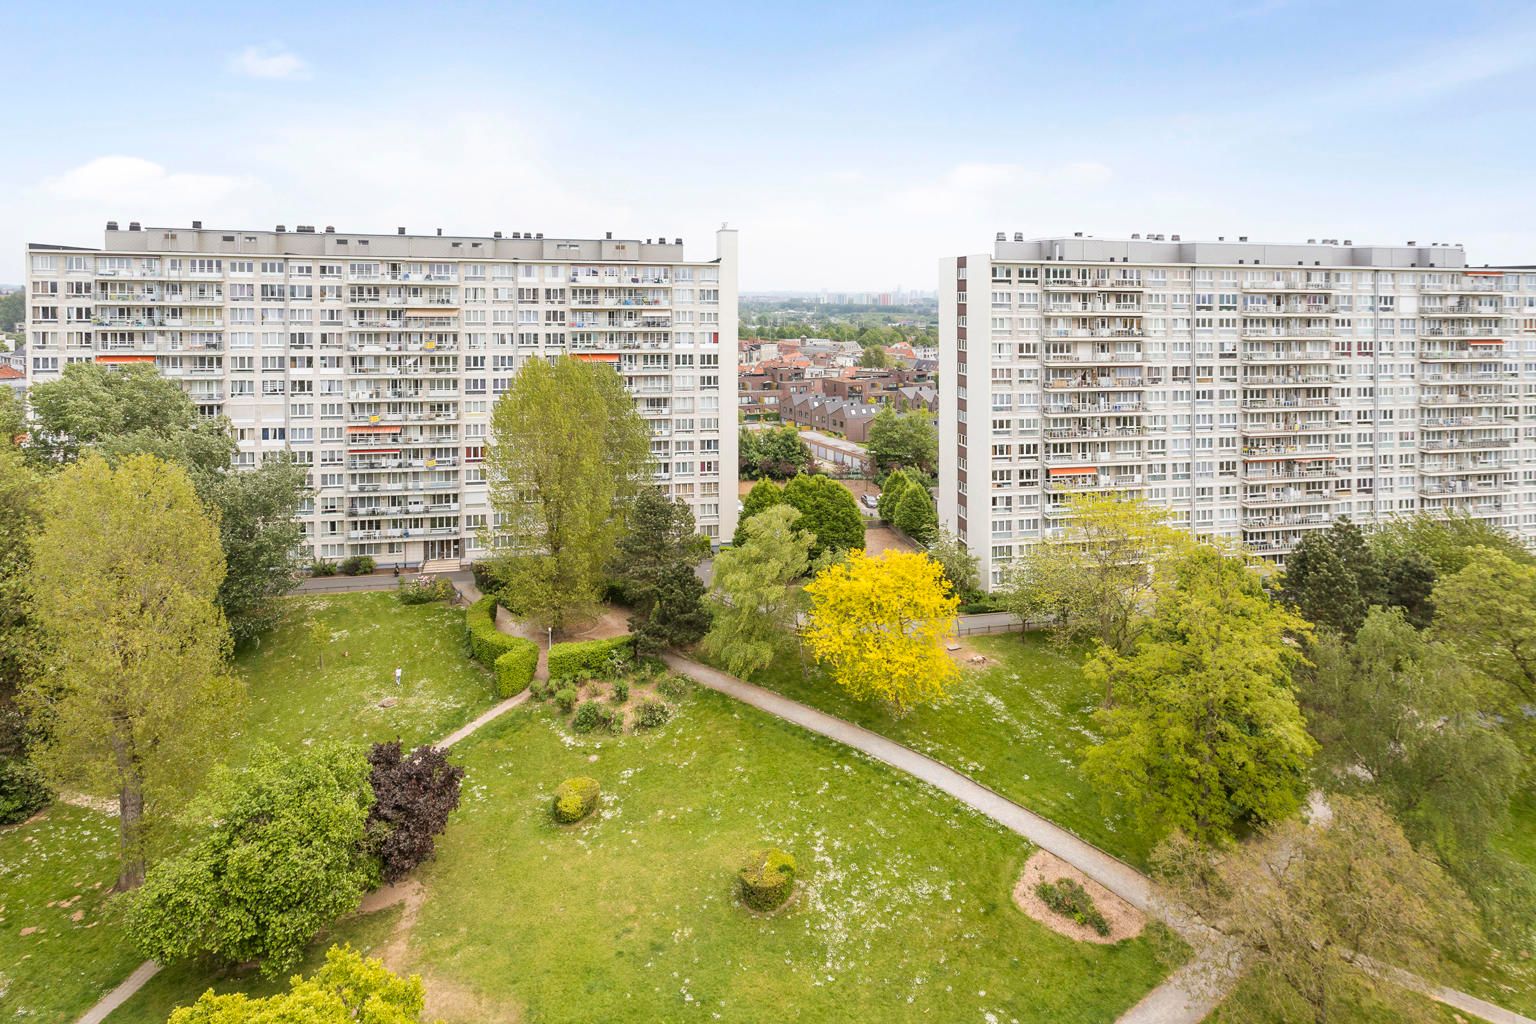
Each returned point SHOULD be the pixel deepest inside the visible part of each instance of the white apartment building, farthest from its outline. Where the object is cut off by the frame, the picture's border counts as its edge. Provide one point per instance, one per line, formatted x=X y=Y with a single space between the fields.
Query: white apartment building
x=1256 y=391
x=376 y=358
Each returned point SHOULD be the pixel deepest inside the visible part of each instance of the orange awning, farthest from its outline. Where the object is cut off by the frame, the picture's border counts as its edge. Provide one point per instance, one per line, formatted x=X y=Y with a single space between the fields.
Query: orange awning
x=1484 y=273
x=596 y=357
x=382 y=428
x=125 y=359
x=1075 y=471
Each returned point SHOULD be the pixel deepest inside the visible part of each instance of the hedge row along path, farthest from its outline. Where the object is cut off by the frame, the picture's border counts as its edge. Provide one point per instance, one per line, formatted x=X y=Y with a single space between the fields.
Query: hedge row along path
x=470 y=593
x=1180 y=999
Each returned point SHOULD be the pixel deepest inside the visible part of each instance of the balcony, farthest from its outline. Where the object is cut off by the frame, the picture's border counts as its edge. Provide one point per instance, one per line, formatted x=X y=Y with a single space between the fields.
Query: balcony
x=1077 y=485
x=1091 y=432
x=1258 y=355
x=1283 y=284
x=1464 y=444
x=1286 y=333
x=1292 y=309
x=1096 y=383
x=1291 y=496
x=1290 y=403
x=1092 y=408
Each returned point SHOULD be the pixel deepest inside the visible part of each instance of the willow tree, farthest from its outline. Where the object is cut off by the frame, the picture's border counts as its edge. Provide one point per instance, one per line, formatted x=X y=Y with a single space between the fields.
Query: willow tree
x=568 y=454
x=135 y=700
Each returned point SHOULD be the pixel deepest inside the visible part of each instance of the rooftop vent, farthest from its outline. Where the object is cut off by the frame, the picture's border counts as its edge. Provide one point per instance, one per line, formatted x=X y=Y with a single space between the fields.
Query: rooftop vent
x=307 y=229
x=1077 y=234
x=1311 y=241
x=399 y=231
x=197 y=225
x=439 y=232
x=1412 y=242
x=330 y=229
x=133 y=225
x=281 y=229
x=496 y=234
x=1348 y=241
x=608 y=234
x=111 y=225
x=1175 y=238
x=1002 y=236
x=1242 y=238
x=1221 y=238
x=541 y=234
x=1135 y=237
x=1018 y=236
x=677 y=241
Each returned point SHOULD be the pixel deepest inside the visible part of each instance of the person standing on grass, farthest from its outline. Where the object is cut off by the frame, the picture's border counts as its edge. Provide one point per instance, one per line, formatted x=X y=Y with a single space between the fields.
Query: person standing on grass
x=397 y=677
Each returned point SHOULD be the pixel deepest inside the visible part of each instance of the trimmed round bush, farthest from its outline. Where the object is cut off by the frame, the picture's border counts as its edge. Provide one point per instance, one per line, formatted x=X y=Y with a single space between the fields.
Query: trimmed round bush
x=673 y=687
x=652 y=714
x=575 y=799
x=766 y=879
x=566 y=697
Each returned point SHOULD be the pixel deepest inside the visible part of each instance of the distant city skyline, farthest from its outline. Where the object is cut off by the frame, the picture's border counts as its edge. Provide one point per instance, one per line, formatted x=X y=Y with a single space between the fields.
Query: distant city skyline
x=852 y=145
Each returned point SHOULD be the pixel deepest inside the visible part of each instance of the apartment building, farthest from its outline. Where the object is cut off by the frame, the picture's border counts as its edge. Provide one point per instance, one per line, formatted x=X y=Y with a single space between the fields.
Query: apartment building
x=376 y=358
x=1256 y=391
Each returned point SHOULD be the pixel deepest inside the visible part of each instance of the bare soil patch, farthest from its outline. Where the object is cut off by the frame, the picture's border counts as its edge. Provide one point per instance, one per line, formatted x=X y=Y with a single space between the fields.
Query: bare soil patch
x=1125 y=921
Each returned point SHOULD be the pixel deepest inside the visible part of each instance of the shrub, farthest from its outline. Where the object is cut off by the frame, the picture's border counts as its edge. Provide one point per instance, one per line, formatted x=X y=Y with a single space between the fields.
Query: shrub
x=652 y=714
x=1071 y=900
x=322 y=568
x=766 y=879
x=620 y=692
x=22 y=791
x=515 y=668
x=358 y=565
x=280 y=850
x=566 y=698
x=425 y=590
x=588 y=717
x=590 y=658
x=486 y=580
x=412 y=798
x=486 y=642
x=348 y=988
x=576 y=798
x=673 y=687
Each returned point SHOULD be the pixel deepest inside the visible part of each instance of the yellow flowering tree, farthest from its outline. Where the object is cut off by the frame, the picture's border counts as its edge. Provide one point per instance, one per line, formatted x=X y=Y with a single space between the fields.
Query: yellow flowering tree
x=878 y=625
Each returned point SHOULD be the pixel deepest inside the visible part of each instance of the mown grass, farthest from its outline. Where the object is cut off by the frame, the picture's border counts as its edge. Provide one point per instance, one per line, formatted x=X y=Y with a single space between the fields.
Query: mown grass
x=903 y=913
x=1018 y=725
x=297 y=694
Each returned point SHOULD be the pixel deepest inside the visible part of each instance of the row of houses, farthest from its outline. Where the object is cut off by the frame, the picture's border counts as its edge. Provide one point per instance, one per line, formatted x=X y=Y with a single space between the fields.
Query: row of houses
x=843 y=403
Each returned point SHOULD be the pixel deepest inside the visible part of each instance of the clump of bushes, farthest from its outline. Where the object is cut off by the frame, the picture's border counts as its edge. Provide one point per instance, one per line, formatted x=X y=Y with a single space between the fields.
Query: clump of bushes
x=566 y=698
x=425 y=590
x=592 y=716
x=412 y=798
x=1071 y=900
x=22 y=791
x=652 y=714
x=590 y=658
x=620 y=691
x=673 y=687
x=513 y=659
x=358 y=565
x=766 y=879
x=575 y=799
x=322 y=568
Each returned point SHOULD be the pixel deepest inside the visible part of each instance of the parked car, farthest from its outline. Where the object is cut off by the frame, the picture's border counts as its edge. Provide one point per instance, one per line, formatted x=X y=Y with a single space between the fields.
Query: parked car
x=871 y=501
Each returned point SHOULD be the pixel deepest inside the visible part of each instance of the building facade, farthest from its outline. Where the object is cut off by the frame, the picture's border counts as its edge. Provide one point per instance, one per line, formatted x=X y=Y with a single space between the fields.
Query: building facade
x=376 y=359
x=1256 y=391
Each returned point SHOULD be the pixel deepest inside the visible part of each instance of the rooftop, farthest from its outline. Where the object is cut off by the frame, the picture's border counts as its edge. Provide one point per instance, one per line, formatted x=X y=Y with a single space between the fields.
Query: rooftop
x=1169 y=249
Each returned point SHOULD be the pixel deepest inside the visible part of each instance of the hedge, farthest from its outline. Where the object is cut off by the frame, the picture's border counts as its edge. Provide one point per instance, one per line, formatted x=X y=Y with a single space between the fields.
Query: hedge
x=588 y=658
x=575 y=799
x=514 y=670
x=766 y=879
x=486 y=642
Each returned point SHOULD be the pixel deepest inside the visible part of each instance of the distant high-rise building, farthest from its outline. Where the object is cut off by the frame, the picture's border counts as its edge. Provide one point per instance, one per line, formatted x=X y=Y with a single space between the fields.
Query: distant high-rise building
x=1256 y=391
x=375 y=359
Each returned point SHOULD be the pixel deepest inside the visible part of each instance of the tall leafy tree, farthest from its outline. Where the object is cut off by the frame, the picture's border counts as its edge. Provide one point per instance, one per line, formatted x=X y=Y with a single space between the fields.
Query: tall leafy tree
x=1400 y=717
x=122 y=412
x=961 y=568
x=413 y=794
x=828 y=512
x=1206 y=736
x=879 y=623
x=1486 y=613
x=656 y=564
x=13 y=417
x=874 y=357
x=1100 y=577
x=1300 y=909
x=1445 y=540
x=905 y=440
x=280 y=851
x=915 y=515
x=569 y=454
x=135 y=700
x=754 y=599
x=20 y=643
x=895 y=486
x=1333 y=578
x=764 y=494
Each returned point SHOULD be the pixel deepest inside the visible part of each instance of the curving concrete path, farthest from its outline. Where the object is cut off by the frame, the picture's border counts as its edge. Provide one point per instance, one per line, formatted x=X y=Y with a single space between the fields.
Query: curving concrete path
x=1188 y=994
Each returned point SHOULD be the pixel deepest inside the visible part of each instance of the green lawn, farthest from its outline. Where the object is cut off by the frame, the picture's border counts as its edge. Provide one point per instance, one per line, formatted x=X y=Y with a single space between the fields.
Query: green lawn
x=1018 y=726
x=904 y=912
x=53 y=975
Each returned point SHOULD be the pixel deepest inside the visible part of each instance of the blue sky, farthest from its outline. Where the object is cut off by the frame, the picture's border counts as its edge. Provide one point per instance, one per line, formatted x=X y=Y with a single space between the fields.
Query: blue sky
x=853 y=145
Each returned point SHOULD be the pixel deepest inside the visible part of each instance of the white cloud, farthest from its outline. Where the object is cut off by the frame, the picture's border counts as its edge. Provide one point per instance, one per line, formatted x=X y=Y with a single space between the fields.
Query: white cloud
x=261 y=62
x=134 y=181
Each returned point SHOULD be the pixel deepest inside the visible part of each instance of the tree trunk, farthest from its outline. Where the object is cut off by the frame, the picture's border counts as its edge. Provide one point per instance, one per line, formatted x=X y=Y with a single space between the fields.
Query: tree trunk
x=130 y=818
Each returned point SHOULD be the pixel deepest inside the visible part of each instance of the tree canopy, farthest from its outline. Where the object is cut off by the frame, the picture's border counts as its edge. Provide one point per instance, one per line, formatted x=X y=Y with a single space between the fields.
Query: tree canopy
x=281 y=850
x=348 y=989
x=754 y=600
x=135 y=700
x=879 y=625
x=569 y=454
x=828 y=512
x=915 y=515
x=656 y=568
x=903 y=440
x=775 y=453
x=1205 y=736
x=764 y=494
